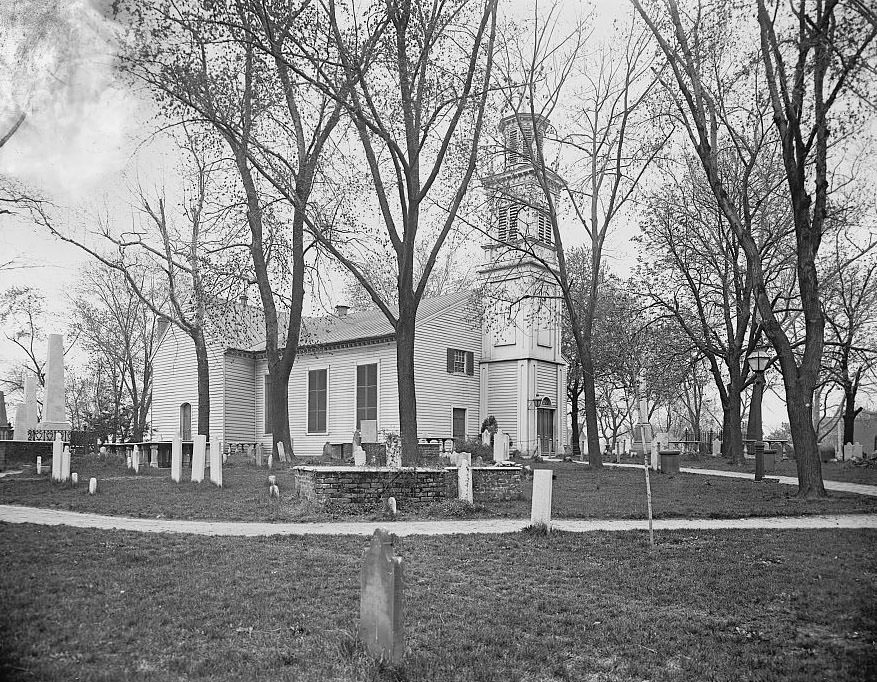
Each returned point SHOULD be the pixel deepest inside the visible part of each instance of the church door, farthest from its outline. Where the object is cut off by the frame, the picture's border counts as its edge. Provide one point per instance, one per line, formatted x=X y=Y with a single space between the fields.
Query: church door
x=545 y=430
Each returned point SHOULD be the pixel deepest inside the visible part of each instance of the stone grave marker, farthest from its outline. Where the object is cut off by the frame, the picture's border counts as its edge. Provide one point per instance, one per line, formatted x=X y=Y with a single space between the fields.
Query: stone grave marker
x=281 y=453
x=103 y=450
x=176 y=459
x=464 y=477
x=500 y=446
x=153 y=456
x=216 y=462
x=394 y=452
x=199 y=455
x=258 y=454
x=358 y=456
x=39 y=465
x=20 y=432
x=274 y=491
x=30 y=404
x=655 y=459
x=368 y=431
x=857 y=450
x=272 y=480
x=92 y=486
x=540 y=512
x=271 y=458
x=391 y=506
x=57 y=454
x=129 y=463
x=65 y=464
x=54 y=405
x=848 y=450
x=135 y=459
x=381 y=624
x=485 y=437
x=74 y=478
x=717 y=447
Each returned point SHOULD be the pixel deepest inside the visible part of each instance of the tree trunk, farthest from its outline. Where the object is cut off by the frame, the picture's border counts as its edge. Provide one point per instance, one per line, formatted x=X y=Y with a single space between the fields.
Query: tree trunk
x=574 y=415
x=203 y=384
x=804 y=441
x=595 y=457
x=850 y=414
x=279 y=406
x=732 y=442
x=405 y=383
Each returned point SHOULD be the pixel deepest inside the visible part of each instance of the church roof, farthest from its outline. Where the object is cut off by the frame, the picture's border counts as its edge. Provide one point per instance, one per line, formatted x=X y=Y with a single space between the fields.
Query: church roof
x=330 y=330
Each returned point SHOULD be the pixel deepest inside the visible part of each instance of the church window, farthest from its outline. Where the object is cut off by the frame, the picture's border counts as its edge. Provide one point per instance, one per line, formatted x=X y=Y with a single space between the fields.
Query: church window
x=543 y=227
x=317 y=400
x=461 y=361
x=528 y=144
x=508 y=222
x=366 y=393
x=458 y=419
x=266 y=403
x=511 y=150
x=186 y=421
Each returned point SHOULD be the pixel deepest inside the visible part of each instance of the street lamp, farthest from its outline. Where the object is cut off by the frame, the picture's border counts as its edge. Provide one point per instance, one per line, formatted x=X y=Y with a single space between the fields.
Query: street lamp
x=758 y=361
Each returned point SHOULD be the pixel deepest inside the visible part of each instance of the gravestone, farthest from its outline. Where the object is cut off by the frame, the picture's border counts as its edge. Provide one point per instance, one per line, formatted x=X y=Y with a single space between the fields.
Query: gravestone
x=368 y=431
x=272 y=480
x=394 y=452
x=20 y=432
x=274 y=491
x=271 y=460
x=199 y=455
x=92 y=486
x=216 y=462
x=281 y=453
x=540 y=511
x=135 y=459
x=74 y=478
x=65 y=464
x=454 y=458
x=176 y=459
x=103 y=450
x=381 y=624
x=717 y=447
x=464 y=477
x=259 y=454
x=128 y=461
x=4 y=420
x=57 y=455
x=54 y=405
x=359 y=456
x=485 y=437
x=39 y=466
x=391 y=506
x=30 y=403
x=501 y=447
x=848 y=451
x=153 y=456
x=329 y=451
x=655 y=458
x=857 y=450
x=357 y=438
x=449 y=445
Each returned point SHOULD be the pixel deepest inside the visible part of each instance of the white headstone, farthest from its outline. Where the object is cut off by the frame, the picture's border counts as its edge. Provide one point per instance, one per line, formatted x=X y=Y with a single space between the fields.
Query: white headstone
x=57 y=456
x=464 y=477
x=54 y=405
x=500 y=446
x=368 y=431
x=92 y=486
x=857 y=450
x=199 y=455
x=394 y=452
x=30 y=403
x=135 y=459
x=128 y=461
x=20 y=432
x=103 y=449
x=358 y=457
x=449 y=445
x=717 y=447
x=540 y=511
x=485 y=437
x=74 y=478
x=216 y=462
x=655 y=458
x=271 y=458
x=274 y=491
x=281 y=454
x=65 y=464
x=848 y=450
x=176 y=459
x=39 y=466
x=272 y=480
x=391 y=505
x=258 y=454
x=153 y=456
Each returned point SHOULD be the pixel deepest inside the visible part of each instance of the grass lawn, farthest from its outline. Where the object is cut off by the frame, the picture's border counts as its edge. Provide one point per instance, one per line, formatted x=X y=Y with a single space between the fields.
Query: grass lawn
x=831 y=471
x=741 y=605
x=578 y=493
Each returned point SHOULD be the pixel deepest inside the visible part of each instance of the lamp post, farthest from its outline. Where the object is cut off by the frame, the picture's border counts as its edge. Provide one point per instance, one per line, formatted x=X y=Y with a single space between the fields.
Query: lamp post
x=758 y=361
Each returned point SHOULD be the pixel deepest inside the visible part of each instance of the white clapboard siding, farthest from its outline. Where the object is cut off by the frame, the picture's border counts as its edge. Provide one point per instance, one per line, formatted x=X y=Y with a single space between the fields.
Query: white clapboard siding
x=175 y=381
x=438 y=391
x=546 y=380
x=240 y=400
x=502 y=391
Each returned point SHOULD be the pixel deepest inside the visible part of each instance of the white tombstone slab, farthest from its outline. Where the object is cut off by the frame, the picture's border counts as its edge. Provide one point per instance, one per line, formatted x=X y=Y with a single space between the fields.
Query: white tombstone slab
x=464 y=477
x=54 y=405
x=540 y=511
x=394 y=452
x=271 y=459
x=272 y=480
x=199 y=453
x=500 y=446
x=391 y=505
x=57 y=456
x=857 y=451
x=655 y=459
x=92 y=486
x=30 y=403
x=368 y=430
x=39 y=466
x=74 y=478
x=281 y=454
x=259 y=454
x=129 y=461
x=717 y=447
x=485 y=437
x=216 y=462
x=274 y=491
x=20 y=432
x=135 y=459
x=65 y=464
x=358 y=457
x=449 y=445
x=176 y=459
x=153 y=456
x=848 y=450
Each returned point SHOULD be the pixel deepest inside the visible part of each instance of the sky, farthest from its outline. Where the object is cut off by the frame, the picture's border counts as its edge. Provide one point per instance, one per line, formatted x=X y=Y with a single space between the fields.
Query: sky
x=80 y=143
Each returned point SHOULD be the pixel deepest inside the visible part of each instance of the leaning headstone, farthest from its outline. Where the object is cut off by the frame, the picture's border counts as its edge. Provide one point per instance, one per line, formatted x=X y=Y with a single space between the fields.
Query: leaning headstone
x=464 y=477
x=57 y=455
x=216 y=462
x=92 y=486
x=74 y=478
x=176 y=459
x=199 y=454
x=135 y=459
x=65 y=464
x=258 y=454
x=540 y=511
x=39 y=466
x=368 y=429
x=271 y=459
x=281 y=453
x=381 y=625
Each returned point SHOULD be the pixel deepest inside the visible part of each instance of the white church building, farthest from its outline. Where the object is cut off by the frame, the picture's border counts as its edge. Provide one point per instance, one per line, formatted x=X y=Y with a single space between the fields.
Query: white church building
x=495 y=351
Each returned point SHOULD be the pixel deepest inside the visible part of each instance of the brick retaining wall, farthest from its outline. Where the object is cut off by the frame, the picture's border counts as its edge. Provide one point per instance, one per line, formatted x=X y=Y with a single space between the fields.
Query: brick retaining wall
x=368 y=485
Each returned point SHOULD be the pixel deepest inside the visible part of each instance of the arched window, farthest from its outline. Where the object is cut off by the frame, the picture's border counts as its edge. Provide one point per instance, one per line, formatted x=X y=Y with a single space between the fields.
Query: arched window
x=186 y=421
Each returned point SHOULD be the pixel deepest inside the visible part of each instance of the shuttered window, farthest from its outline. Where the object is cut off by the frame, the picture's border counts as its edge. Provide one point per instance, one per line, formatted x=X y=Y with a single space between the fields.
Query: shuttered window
x=511 y=151
x=317 y=400
x=459 y=423
x=507 y=216
x=543 y=227
x=461 y=361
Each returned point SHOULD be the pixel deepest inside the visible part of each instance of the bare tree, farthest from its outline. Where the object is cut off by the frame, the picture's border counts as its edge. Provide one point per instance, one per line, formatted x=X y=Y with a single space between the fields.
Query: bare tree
x=809 y=55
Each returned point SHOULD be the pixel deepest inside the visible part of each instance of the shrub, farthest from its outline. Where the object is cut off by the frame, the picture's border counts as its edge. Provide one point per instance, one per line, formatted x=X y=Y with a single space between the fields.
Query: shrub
x=475 y=446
